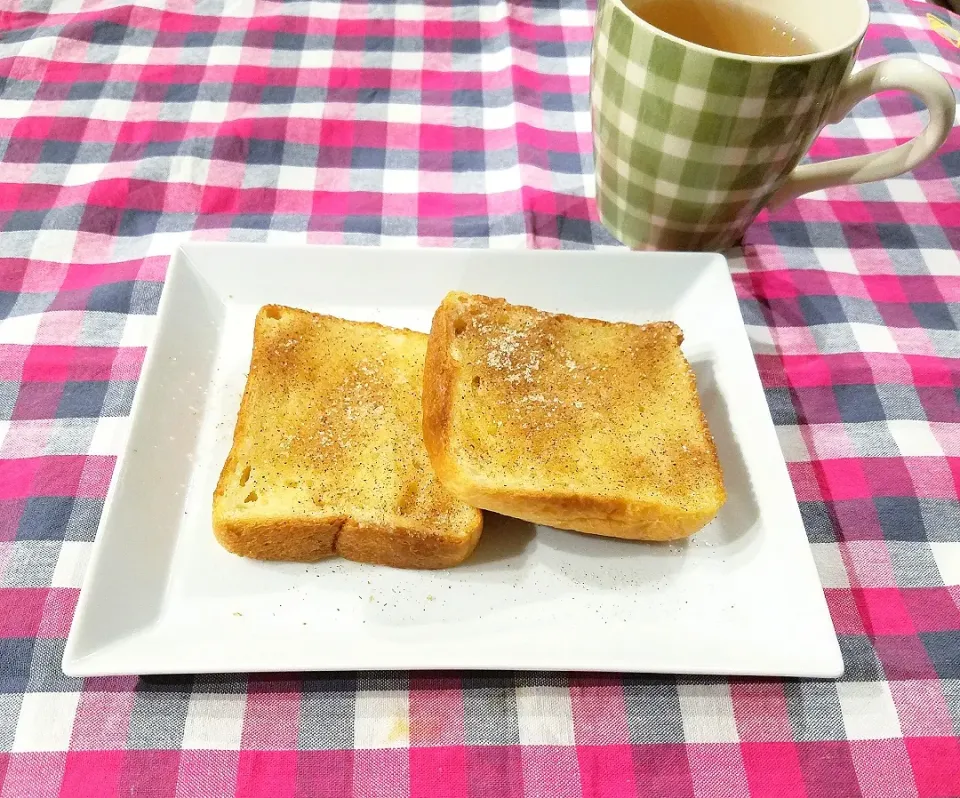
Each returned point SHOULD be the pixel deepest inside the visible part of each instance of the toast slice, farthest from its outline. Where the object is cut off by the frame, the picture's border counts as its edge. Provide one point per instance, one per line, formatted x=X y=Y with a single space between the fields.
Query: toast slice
x=573 y=423
x=328 y=455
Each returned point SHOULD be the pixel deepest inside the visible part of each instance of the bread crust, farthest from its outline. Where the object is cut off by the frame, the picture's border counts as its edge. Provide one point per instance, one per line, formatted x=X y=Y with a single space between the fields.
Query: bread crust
x=440 y=372
x=581 y=510
x=312 y=540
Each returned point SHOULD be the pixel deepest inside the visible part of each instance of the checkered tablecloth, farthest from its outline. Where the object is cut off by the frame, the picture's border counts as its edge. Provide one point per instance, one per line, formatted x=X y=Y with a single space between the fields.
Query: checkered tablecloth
x=125 y=129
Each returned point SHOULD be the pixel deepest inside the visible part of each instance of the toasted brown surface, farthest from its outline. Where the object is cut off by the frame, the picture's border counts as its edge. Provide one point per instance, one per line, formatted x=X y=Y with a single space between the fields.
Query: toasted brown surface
x=573 y=423
x=327 y=454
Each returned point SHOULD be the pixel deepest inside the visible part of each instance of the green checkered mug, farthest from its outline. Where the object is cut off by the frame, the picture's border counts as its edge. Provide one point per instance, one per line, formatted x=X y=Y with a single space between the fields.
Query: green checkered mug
x=691 y=143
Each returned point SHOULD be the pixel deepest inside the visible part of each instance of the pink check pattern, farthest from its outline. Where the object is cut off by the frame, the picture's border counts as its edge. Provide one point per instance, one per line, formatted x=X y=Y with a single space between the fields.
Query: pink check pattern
x=126 y=128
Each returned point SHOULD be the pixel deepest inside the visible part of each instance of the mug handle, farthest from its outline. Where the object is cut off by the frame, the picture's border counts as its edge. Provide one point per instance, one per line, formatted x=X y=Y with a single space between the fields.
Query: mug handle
x=905 y=74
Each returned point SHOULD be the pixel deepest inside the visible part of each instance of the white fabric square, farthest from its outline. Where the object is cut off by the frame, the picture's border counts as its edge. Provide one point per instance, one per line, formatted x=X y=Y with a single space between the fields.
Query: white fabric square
x=41 y=47
x=296 y=178
x=119 y=110
x=938 y=261
x=382 y=719
x=496 y=60
x=830 y=567
x=412 y=61
x=873 y=338
x=224 y=55
x=400 y=181
x=794 y=447
x=45 y=722
x=508 y=241
x=908 y=190
x=20 y=329
x=79 y=174
x=15 y=109
x=187 y=169
x=874 y=128
x=54 y=245
x=868 y=710
x=837 y=260
x=582 y=122
x=914 y=438
x=900 y=20
x=572 y=18
x=544 y=715
x=577 y=67
x=316 y=58
x=499 y=118
x=403 y=113
x=71 y=564
x=214 y=721
x=707 y=712
x=207 y=111
x=157 y=245
x=411 y=12
x=489 y=12
x=133 y=54
x=275 y=236
x=327 y=11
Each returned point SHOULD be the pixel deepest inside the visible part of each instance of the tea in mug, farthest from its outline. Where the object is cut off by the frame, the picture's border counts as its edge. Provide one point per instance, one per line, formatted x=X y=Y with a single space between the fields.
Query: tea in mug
x=724 y=25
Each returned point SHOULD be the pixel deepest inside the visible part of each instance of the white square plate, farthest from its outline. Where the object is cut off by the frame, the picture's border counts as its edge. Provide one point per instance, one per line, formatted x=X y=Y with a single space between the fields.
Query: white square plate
x=161 y=596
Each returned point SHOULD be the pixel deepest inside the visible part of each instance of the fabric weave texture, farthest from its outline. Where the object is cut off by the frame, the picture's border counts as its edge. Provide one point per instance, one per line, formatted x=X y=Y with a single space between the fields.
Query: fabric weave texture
x=127 y=128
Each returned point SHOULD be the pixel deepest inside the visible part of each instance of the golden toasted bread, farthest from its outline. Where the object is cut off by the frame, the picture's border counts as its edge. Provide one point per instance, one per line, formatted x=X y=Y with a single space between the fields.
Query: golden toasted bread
x=328 y=455
x=573 y=423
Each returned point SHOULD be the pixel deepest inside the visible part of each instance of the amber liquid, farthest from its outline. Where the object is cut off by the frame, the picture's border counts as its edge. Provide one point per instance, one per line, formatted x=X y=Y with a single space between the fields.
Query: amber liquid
x=724 y=25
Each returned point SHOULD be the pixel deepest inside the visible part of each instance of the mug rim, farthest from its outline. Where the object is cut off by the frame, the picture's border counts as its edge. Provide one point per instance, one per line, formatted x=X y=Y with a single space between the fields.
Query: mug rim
x=848 y=43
